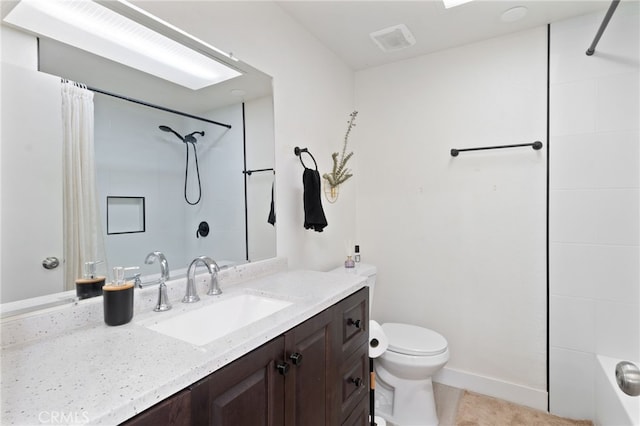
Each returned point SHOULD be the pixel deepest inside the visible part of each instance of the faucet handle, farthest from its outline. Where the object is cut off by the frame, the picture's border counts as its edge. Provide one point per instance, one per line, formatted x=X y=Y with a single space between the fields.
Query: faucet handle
x=163 y=300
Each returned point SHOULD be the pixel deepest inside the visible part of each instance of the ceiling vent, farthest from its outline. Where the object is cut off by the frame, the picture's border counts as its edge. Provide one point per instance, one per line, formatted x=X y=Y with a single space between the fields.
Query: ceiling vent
x=393 y=38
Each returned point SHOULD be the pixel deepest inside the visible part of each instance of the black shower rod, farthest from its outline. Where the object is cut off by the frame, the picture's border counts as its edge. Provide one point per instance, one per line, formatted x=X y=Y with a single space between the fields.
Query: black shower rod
x=535 y=145
x=150 y=105
x=592 y=49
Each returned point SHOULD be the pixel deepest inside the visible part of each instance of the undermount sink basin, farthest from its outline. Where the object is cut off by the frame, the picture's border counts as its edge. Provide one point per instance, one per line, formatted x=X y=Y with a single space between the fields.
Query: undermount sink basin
x=206 y=324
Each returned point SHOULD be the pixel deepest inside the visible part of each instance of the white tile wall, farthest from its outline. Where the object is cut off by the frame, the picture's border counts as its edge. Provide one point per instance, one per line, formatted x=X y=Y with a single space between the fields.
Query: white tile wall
x=612 y=163
x=617 y=329
x=573 y=108
x=572 y=383
x=574 y=322
x=594 y=264
x=594 y=216
x=617 y=102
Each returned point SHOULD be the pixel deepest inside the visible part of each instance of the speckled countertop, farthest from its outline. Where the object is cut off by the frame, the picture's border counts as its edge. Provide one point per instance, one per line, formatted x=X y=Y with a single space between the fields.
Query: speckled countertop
x=65 y=366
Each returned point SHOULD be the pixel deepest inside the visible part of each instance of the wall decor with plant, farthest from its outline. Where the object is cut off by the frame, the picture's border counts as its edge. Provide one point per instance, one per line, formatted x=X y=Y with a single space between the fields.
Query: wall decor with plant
x=340 y=173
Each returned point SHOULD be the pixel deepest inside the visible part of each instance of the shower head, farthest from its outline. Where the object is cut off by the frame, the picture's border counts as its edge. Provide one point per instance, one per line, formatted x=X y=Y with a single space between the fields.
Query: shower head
x=190 y=138
x=169 y=129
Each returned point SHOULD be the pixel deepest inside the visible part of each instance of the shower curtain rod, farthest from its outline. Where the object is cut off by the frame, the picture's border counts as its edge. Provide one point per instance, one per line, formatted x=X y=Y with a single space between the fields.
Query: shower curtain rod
x=592 y=49
x=147 y=104
x=535 y=145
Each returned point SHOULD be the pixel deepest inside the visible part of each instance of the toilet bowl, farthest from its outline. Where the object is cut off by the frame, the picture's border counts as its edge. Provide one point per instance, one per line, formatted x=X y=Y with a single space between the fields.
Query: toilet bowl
x=404 y=390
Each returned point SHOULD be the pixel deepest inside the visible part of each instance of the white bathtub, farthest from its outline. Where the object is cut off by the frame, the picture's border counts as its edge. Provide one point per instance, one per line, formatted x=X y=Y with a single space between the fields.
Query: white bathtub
x=613 y=407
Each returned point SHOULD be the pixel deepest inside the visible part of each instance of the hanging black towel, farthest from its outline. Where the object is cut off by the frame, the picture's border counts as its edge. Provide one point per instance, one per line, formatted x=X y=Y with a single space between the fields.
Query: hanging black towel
x=272 y=212
x=313 y=214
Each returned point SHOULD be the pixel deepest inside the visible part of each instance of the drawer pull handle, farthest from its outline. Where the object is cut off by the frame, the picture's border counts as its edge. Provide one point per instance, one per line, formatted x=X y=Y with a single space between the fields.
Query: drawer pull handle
x=283 y=368
x=355 y=323
x=296 y=358
x=356 y=381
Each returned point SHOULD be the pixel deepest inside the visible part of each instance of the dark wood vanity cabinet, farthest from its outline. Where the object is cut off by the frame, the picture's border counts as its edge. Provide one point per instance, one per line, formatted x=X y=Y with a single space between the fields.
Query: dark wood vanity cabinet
x=175 y=410
x=310 y=382
x=315 y=374
x=249 y=391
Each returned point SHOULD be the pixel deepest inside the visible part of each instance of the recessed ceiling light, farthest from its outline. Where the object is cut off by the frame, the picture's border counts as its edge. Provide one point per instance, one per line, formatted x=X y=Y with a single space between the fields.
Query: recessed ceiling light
x=453 y=3
x=393 y=38
x=514 y=14
x=92 y=27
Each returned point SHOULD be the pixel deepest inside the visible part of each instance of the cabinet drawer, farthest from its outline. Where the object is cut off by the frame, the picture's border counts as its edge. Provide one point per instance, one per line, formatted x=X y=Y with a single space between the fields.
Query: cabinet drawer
x=354 y=381
x=354 y=330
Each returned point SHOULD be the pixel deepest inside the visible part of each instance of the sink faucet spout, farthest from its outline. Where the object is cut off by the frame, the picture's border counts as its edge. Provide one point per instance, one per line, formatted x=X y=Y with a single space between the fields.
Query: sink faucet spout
x=163 y=300
x=164 y=264
x=191 y=295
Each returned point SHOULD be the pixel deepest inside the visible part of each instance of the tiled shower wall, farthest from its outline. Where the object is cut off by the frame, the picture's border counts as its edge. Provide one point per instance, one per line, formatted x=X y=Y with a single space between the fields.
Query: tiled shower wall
x=594 y=198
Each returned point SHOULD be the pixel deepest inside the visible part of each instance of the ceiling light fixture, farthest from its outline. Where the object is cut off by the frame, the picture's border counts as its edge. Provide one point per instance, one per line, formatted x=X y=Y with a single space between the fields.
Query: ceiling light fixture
x=92 y=27
x=514 y=14
x=448 y=4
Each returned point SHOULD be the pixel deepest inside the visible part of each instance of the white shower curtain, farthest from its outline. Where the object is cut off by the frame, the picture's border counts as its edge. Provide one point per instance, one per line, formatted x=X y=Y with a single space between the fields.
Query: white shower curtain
x=83 y=238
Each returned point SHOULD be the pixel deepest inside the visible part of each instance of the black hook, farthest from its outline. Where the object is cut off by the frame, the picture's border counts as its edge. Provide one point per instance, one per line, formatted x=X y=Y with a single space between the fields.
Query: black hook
x=298 y=152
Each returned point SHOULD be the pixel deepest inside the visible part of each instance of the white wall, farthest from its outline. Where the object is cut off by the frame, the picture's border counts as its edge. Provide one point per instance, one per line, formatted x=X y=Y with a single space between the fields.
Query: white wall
x=594 y=197
x=313 y=96
x=460 y=242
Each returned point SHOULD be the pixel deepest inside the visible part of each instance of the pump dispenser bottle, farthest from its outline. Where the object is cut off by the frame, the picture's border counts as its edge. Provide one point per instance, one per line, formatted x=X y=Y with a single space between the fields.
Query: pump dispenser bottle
x=90 y=285
x=118 y=298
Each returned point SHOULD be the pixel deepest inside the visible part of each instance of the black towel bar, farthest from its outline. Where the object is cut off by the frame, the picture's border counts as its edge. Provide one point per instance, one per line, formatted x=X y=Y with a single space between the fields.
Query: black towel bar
x=535 y=145
x=248 y=172
x=298 y=152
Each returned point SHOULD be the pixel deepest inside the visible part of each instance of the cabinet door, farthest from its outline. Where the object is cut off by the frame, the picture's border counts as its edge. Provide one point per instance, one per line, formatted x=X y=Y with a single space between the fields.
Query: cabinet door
x=249 y=391
x=311 y=382
x=175 y=411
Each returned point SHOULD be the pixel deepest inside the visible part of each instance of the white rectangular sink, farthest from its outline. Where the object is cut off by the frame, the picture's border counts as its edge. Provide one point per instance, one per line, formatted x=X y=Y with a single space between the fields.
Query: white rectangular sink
x=206 y=324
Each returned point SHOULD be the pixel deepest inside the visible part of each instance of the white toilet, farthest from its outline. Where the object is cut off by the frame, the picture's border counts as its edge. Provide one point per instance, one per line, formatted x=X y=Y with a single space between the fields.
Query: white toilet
x=404 y=391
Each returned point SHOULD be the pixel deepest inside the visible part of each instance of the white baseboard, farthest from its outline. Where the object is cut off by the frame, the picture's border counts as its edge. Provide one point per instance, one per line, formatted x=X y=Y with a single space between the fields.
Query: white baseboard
x=518 y=394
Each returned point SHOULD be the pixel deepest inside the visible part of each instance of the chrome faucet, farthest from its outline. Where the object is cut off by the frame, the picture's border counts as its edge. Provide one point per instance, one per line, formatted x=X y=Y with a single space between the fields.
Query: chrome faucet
x=163 y=300
x=164 y=265
x=191 y=295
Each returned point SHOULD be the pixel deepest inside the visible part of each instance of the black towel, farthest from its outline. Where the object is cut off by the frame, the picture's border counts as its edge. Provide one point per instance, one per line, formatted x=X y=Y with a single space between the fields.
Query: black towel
x=313 y=214
x=272 y=212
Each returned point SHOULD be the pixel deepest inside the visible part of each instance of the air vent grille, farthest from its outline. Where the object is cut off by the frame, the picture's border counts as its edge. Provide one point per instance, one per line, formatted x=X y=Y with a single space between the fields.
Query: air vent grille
x=393 y=38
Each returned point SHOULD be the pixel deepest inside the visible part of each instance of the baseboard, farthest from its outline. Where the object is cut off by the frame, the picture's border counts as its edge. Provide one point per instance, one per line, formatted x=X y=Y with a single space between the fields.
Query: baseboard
x=518 y=394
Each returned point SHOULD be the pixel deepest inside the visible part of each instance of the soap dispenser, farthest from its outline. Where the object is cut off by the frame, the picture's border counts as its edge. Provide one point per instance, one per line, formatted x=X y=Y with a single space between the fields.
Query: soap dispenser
x=118 y=298
x=90 y=285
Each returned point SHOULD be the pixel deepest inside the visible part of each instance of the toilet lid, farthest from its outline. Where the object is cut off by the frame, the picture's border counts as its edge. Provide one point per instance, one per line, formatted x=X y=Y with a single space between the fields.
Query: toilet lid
x=413 y=340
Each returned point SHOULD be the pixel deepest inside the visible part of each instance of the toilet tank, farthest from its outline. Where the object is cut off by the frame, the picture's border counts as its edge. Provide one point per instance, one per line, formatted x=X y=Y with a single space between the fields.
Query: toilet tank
x=365 y=270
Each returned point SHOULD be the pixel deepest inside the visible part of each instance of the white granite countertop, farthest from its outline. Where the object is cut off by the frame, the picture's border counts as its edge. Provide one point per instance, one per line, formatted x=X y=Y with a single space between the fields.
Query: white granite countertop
x=91 y=373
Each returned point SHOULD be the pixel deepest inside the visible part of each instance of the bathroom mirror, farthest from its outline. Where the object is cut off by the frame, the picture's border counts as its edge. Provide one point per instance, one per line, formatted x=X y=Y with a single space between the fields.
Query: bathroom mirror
x=135 y=159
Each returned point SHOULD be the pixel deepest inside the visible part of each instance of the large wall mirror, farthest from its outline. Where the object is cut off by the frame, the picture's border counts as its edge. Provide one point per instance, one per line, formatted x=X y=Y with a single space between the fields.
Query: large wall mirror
x=156 y=186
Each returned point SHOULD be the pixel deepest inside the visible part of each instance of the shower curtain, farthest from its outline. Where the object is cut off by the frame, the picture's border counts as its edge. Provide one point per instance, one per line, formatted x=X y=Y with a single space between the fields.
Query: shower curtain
x=83 y=238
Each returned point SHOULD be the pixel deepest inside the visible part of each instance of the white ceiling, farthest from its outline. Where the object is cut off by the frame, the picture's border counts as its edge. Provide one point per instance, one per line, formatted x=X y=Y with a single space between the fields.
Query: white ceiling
x=344 y=26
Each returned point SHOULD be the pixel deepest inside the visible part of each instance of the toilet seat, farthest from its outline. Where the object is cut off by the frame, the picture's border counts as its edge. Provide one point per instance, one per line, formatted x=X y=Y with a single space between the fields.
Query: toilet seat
x=413 y=340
